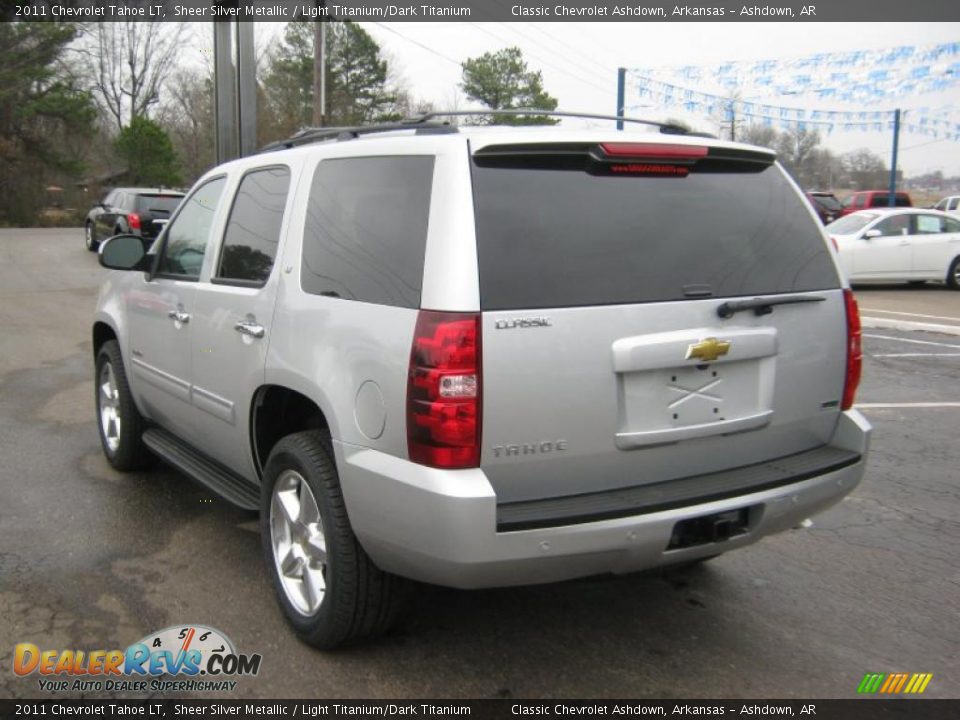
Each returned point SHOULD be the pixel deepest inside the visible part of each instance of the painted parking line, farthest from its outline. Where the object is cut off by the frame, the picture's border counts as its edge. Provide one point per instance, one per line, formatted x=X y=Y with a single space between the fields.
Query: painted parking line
x=912 y=355
x=880 y=406
x=908 y=314
x=886 y=323
x=911 y=340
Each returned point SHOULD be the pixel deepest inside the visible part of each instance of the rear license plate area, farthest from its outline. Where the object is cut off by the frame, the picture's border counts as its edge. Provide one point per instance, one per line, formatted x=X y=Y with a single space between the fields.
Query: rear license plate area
x=709 y=529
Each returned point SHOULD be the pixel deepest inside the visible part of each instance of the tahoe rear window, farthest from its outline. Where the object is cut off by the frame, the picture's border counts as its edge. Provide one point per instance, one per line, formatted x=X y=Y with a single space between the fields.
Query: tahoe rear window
x=562 y=236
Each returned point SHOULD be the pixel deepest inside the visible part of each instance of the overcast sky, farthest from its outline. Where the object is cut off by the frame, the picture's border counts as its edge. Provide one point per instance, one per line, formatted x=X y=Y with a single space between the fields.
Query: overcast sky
x=579 y=62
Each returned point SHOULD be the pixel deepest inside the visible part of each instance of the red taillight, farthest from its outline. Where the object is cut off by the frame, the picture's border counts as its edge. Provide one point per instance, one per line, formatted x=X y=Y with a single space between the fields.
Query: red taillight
x=854 y=350
x=444 y=390
x=654 y=151
x=133 y=220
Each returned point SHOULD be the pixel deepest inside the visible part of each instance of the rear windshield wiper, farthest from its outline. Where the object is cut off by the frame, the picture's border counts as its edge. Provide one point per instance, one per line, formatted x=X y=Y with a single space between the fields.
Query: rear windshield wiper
x=764 y=306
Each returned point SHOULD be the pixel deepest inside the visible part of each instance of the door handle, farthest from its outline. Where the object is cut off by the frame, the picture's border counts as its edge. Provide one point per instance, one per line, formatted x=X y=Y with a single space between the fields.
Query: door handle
x=246 y=327
x=179 y=316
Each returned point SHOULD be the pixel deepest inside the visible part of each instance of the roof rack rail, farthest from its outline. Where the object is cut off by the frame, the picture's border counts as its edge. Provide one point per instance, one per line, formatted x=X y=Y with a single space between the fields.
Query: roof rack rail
x=423 y=125
x=312 y=134
x=666 y=128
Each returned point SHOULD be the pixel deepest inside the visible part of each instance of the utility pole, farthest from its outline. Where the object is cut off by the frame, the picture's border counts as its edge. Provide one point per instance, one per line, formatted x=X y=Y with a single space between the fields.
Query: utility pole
x=892 y=202
x=621 y=93
x=235 y=81
x=319 y=65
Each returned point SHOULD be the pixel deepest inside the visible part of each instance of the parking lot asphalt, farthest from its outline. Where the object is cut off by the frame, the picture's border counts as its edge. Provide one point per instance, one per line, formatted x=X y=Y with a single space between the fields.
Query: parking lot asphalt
x=92 y=559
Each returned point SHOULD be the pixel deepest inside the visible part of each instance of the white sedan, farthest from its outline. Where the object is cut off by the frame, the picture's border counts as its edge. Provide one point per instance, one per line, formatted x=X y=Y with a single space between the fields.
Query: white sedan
x=902 y=244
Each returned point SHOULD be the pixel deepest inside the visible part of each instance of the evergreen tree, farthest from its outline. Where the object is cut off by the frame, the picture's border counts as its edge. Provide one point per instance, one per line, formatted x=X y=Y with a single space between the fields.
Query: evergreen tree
x=357 y=90
x=501 y=81
x=41 y=113
x=148 y=153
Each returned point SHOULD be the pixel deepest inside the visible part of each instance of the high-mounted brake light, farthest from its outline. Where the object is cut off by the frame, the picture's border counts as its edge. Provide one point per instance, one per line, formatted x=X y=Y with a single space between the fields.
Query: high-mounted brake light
x=654 y=151
x=444 y=390
x=133 y=220
x=854 y=350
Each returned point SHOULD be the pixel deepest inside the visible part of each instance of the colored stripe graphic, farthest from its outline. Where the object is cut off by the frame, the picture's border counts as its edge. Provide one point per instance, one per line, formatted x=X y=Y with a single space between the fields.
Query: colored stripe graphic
x=894 y=683
x=870 y=683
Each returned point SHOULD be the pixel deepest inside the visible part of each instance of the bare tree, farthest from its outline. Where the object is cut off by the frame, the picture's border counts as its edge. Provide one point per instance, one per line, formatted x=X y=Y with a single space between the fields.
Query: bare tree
x=128 y=62
x=187 y=114
x=762 y=135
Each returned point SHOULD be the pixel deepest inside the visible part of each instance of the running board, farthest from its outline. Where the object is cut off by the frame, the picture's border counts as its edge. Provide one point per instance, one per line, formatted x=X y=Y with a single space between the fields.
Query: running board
x=225 y=483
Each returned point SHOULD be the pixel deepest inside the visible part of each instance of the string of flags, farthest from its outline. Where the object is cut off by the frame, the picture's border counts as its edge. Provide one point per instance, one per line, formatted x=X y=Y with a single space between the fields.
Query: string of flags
x=852 y=83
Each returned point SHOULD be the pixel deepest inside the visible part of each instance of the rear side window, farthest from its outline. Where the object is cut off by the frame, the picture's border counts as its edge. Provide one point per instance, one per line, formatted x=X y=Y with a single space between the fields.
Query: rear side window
x=366 y=229
x=560 y=237
x=929 y=225
x=253 y=230
x=883 y=200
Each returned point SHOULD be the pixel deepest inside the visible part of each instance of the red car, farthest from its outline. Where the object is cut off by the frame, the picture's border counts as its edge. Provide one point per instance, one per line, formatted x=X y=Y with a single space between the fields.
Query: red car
x=865 y=199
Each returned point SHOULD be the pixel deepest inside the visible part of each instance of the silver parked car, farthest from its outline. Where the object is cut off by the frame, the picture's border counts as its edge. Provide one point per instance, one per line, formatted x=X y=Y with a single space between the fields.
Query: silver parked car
x=486 y=357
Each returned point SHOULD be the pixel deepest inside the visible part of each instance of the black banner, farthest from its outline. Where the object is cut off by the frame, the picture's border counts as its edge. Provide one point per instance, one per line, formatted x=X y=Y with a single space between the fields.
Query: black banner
x=854 y=709
x=483 y=10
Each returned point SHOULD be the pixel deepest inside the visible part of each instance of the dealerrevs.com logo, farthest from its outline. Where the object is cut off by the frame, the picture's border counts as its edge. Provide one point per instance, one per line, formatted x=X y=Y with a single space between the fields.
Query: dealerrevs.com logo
x=179 y=658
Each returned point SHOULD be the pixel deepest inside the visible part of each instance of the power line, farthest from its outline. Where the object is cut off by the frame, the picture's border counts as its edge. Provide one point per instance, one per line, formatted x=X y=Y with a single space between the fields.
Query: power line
x=418 y=44
x=541 y=59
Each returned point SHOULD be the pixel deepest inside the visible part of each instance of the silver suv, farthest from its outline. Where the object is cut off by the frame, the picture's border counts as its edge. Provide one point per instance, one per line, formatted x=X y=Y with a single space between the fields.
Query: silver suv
x=483 y=357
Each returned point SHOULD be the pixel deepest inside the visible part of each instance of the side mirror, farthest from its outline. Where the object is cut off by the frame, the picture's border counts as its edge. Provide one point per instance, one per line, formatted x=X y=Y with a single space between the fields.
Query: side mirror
x=123 y=252
x=870 y=234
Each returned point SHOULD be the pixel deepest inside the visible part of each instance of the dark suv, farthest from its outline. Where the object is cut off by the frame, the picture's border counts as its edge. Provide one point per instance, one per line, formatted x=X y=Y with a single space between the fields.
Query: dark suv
x=137 y=211
x=826 y=205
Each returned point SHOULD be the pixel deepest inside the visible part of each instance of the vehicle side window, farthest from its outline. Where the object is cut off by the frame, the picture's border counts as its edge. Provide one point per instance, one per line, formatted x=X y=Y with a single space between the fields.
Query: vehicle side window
x=942 y=205
x=186 y=238
x=928 y=225
x=953 y=204
x=951 y=226
x=859 y=201
x=896 y=225
x=366 y=229
x=253 y=229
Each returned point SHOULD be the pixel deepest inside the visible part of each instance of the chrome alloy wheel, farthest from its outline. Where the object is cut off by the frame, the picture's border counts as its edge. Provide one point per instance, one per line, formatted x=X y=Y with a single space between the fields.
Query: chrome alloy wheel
x=299 y=546
x=109 y=406
x=956 y=274
x=88 y=232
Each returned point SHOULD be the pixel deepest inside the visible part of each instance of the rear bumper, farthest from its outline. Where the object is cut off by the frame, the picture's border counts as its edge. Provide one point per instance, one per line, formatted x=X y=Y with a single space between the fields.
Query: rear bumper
x=440 y=526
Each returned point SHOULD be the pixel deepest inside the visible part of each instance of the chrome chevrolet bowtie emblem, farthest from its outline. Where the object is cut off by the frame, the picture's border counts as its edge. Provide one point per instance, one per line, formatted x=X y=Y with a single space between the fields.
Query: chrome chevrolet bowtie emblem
x=708 y=350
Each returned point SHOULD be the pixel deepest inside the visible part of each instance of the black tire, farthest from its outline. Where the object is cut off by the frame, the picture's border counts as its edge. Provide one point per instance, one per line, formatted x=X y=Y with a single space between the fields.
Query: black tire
x=89 y=237
x=953 y=275
x=125 y=449
x=359 y=600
